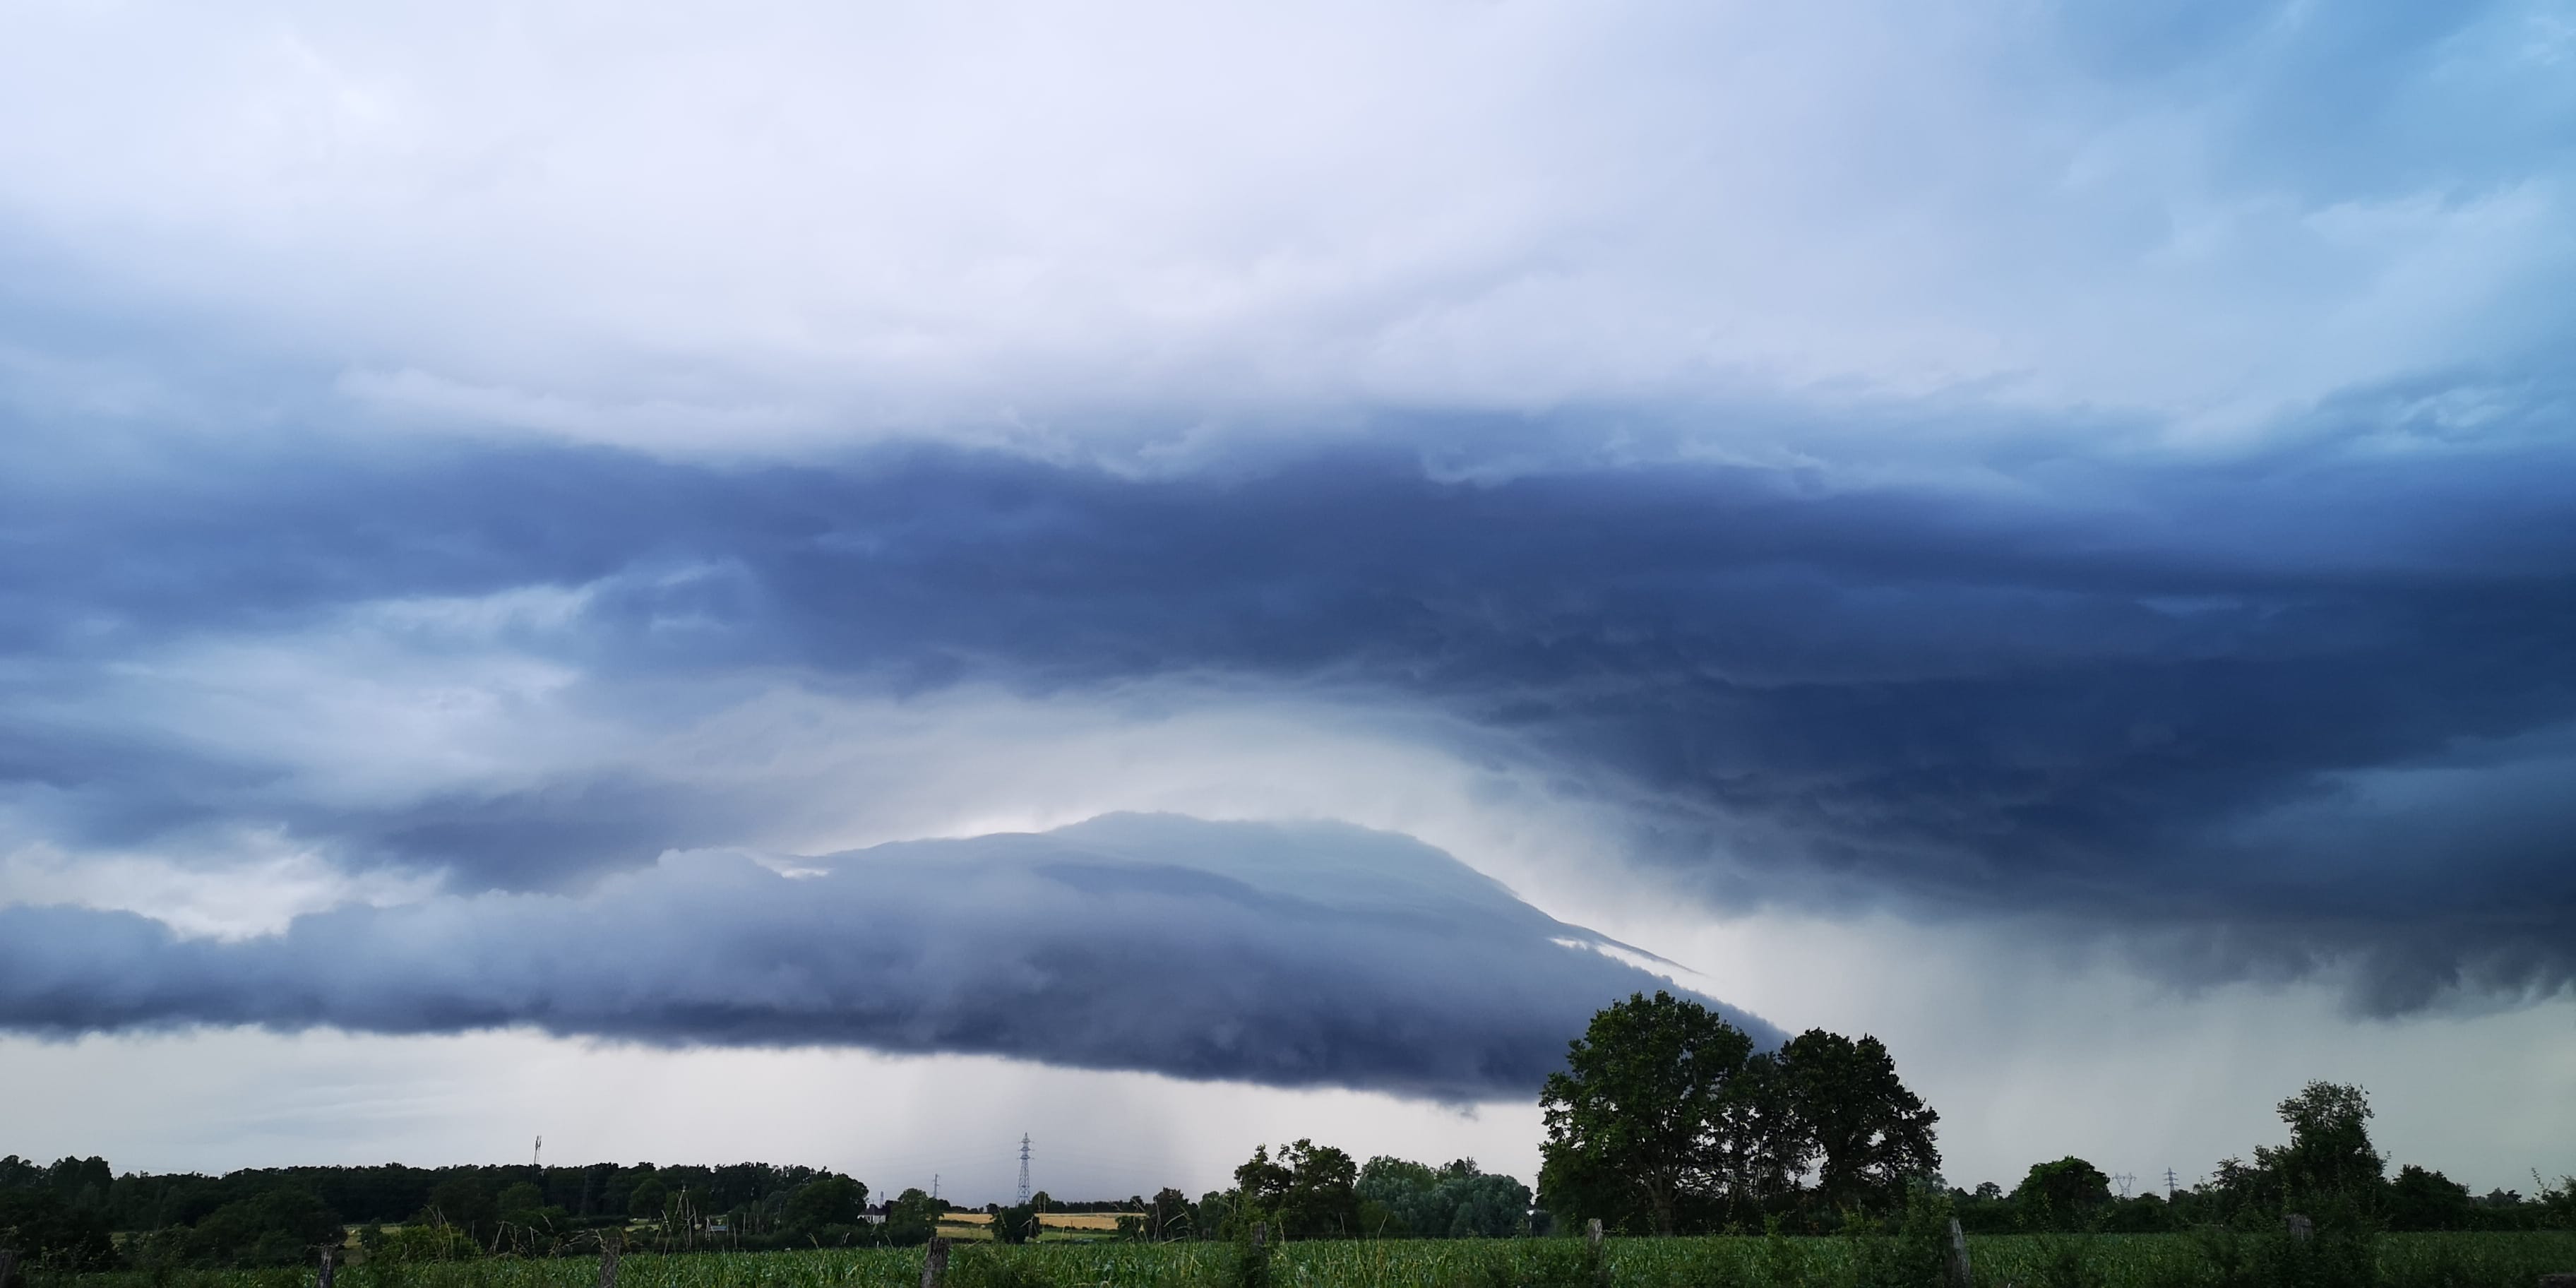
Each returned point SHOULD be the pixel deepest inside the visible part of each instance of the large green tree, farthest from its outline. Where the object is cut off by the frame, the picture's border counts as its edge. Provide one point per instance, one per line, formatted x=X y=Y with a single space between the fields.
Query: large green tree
x=1310 y=1190
x=913 y=1216
x=1169 y=1215
x=2062 y=1195
x=1871 y=1135
x=824 y=1202
x=2426 y=1200
x=1632 y=1121
x=2330 y=1158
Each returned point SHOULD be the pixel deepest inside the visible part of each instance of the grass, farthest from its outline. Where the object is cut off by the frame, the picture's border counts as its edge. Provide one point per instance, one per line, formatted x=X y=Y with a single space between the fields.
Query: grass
x=2020 y=1261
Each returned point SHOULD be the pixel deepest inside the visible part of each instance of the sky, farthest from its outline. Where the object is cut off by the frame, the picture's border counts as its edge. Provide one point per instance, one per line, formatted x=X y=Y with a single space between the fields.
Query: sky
x=838 y=585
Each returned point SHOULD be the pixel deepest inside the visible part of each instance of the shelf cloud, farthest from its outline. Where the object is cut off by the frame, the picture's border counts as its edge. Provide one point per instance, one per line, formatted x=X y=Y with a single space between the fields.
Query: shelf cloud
x=2284 y=713
x=480 y=482
x=1289 y=955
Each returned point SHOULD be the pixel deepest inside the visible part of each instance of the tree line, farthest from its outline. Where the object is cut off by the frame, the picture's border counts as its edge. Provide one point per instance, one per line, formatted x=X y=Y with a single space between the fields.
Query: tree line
x=68 y=1213
x=2328 y=1171
x=1665 y=1120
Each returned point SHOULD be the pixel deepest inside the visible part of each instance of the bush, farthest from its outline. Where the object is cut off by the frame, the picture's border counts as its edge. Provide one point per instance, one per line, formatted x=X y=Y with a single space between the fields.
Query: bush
x=412 y=1244
x=285 y=1226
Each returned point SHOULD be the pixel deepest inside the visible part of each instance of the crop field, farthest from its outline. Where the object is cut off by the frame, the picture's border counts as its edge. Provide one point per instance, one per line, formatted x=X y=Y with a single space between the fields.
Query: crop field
x=1051 y=1225
x=1105 y=1221
x=2103 y=1261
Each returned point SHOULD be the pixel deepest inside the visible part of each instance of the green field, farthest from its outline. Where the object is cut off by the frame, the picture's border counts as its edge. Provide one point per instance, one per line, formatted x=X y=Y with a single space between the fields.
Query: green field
x=2106 y=1261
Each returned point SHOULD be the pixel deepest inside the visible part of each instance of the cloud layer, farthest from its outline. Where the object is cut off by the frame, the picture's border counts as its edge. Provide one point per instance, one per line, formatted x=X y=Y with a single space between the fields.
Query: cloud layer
x=1284 y=955
x=1996 y=465
x=2294 y=708
x=700 y=228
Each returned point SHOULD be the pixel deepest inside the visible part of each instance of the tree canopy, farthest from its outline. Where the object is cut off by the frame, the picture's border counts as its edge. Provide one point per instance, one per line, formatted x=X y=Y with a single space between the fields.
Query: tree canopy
x=1633 y=1119
x=2330 y=1156
x=1307 y=1190
x=1870 y=1134
x=1456 y=1201
x=1666 y=1118
x=2063 y=1195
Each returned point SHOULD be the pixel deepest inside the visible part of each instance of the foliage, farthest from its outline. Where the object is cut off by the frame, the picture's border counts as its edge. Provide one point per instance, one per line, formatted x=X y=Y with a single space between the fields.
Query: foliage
x=1632 y=1120
x=649 y=1200
x=583 y=1196
x=1666 y=1119
x=1308 y=1191
x=1253 y=1255
x=913 y=1217
x=2065 y=1195
x=1168 y=1216
x=1873 y=1136
x=1857 y=1260
x=1456 y=1201
x=2426 y=1200
x=2329 y=1160
x=2558 y=1202
x=1015 y=1224
x=414 y=1244
x=1914 y=1254
x=823 y=1202
x=53 y=1234
x=281 y=1227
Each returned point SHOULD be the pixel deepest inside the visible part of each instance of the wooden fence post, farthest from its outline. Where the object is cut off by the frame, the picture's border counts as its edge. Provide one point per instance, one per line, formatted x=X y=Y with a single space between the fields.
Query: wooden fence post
x=934 y=1264
x=8 y=1267
x=1592 y=1232
x=1255 y=1271
x=1958 y=1255
x=323 y=1280
x=610 y=1246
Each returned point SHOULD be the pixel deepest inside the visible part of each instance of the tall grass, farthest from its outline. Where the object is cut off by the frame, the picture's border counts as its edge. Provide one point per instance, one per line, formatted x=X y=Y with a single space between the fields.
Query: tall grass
x=1858 y=1260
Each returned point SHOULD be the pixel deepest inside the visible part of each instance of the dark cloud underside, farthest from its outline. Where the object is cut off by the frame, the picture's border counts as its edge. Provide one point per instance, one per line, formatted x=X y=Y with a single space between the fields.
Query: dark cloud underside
x=2095 y=693
x=1153 y=943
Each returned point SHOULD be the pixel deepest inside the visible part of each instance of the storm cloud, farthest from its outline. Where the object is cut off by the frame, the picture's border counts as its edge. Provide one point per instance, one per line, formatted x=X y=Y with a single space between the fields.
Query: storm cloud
x=1284 y=955
x=459 y=493
x=2289 y=709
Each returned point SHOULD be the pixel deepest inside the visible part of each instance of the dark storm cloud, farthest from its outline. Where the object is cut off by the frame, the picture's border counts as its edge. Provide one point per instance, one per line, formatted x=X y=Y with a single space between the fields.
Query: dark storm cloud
x=2146 y=698
x=1293 y=956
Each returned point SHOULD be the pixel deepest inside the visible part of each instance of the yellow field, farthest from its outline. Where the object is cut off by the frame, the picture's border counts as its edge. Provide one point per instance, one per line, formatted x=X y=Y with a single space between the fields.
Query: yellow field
x=1104 y=1221
x=961 y=1226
